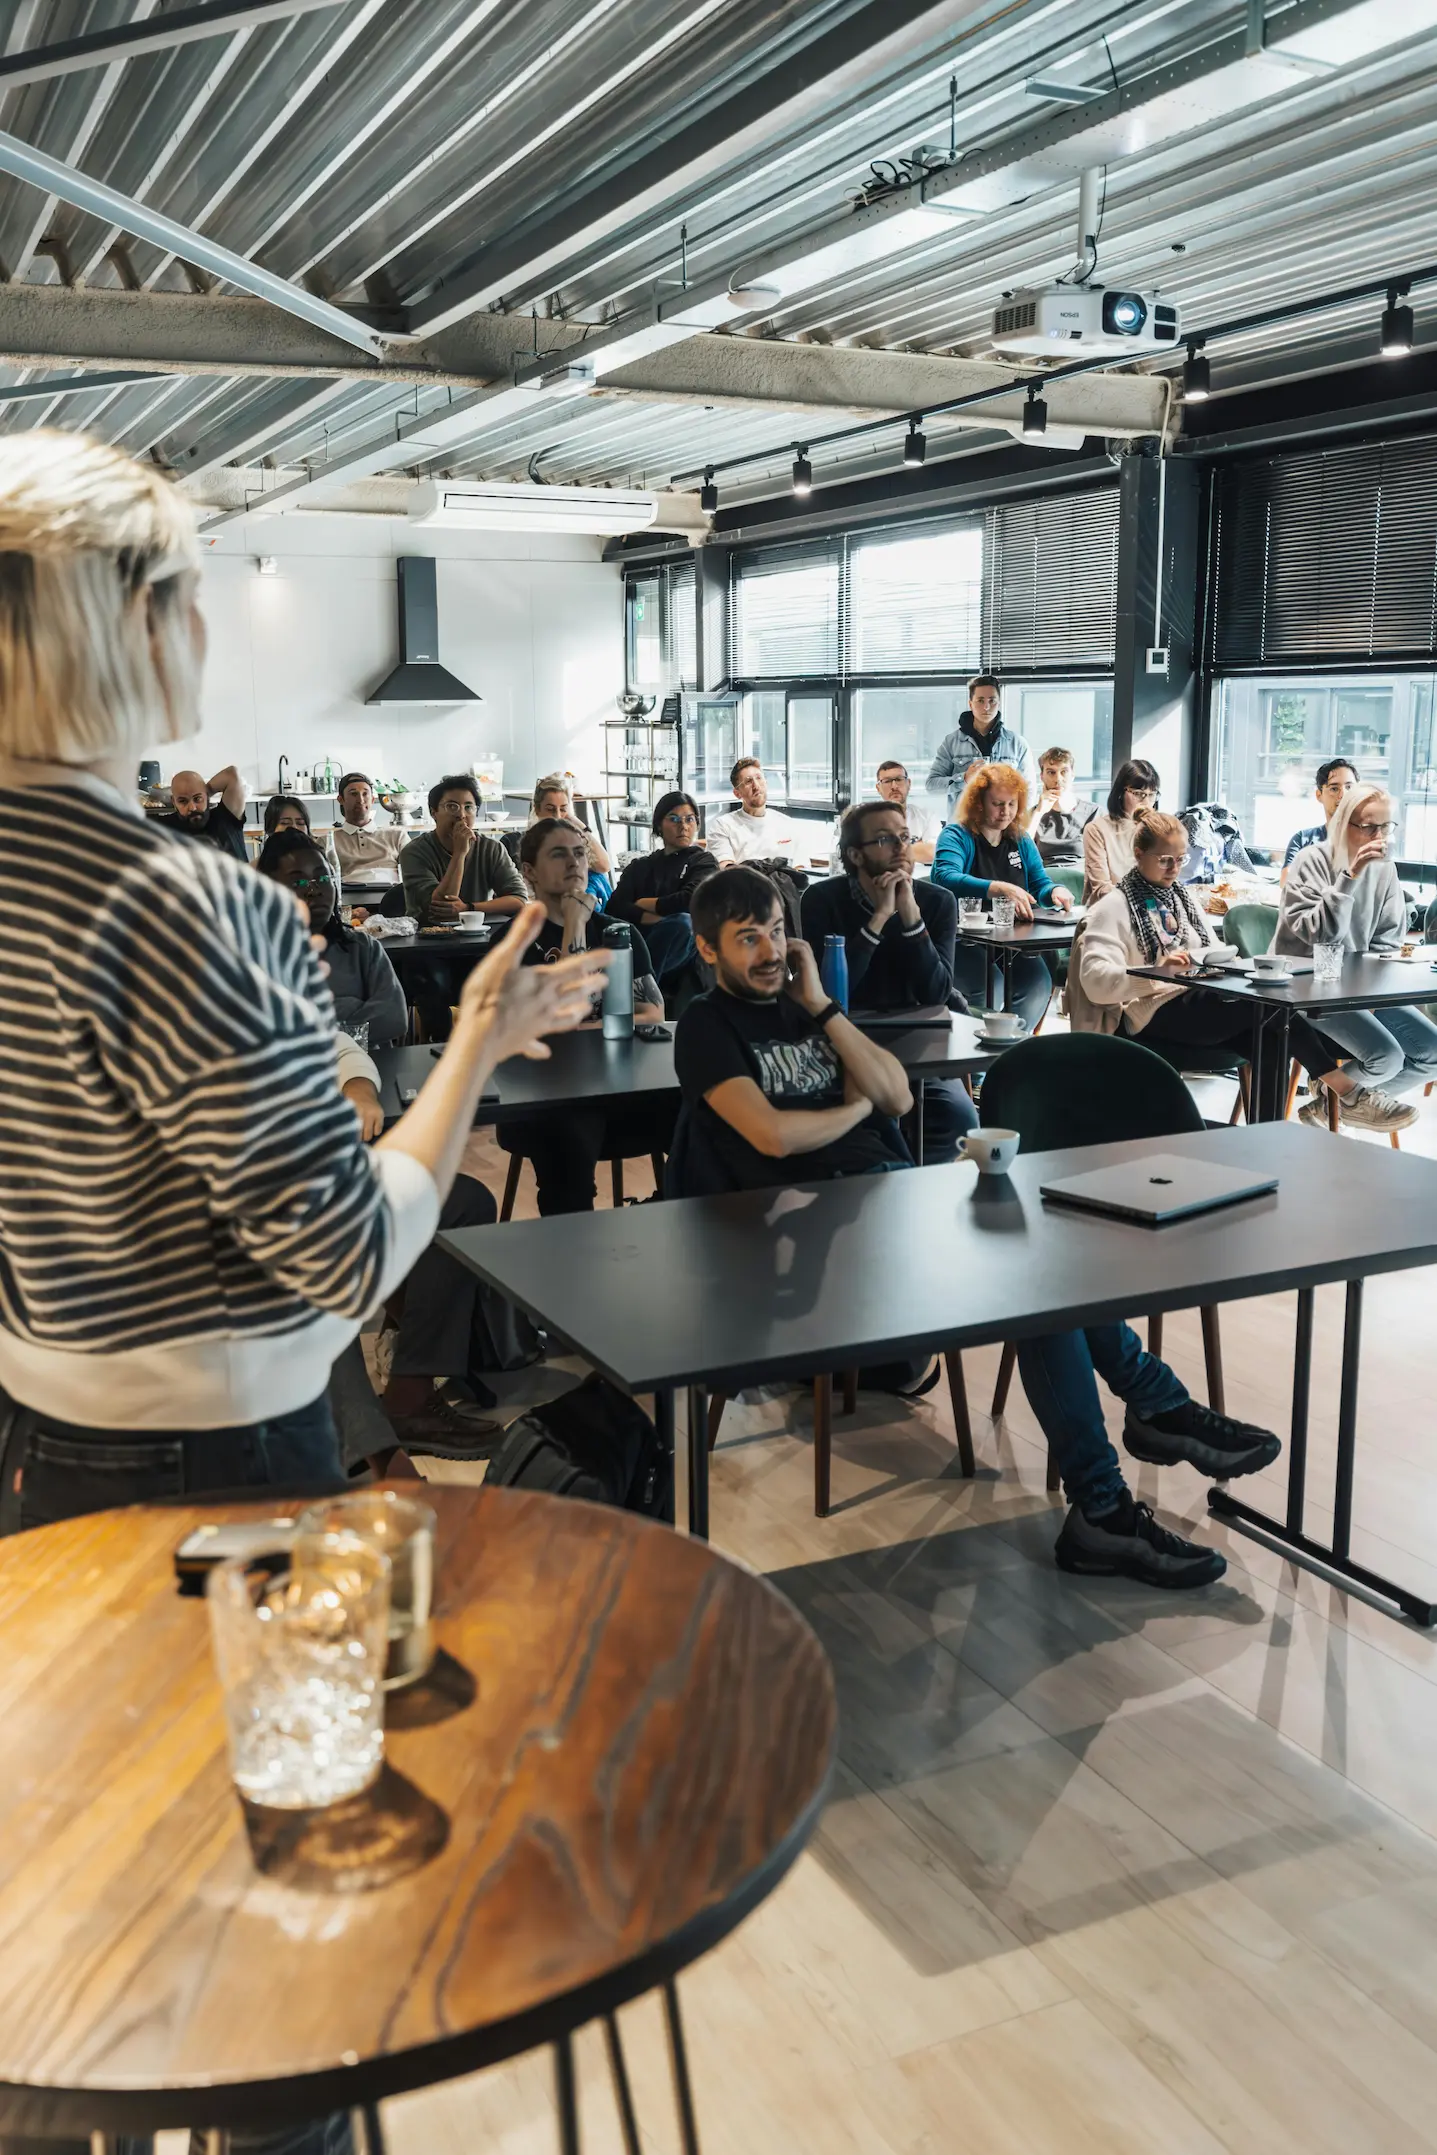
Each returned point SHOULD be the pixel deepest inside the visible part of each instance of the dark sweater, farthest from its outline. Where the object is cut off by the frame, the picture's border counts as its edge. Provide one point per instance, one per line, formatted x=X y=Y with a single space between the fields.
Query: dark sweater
x=901 y=969
x=672 y=878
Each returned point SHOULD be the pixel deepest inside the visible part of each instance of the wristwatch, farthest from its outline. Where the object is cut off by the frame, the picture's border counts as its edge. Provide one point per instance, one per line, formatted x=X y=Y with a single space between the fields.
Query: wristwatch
x=830 y=1010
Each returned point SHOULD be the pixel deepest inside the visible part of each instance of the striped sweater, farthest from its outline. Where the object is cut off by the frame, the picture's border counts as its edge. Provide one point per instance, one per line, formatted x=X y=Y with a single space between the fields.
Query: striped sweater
x=190 y=1227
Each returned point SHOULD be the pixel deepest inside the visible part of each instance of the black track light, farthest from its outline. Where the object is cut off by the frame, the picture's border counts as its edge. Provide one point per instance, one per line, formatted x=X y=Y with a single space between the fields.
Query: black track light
x=802 y=472
x=708 y=493
x=1197 y=377
x=915 y=448
x=1035 y=414
x=1396 y=340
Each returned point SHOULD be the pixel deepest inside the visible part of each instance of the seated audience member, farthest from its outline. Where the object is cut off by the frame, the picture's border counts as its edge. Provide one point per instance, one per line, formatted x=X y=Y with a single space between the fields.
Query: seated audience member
x=455 y=869
x=1108 y=837
x=566 y=1149
x=770 y=1067
x=654 y=892
x=362 y=981
x=220 y=824
x=981 y=736
x=1345 y=890
x=892 y=783
x=899 y=936
x=1335 y=780
x=1061 y=818
x=753 y=831
x=986 y=853
x=553 y=797
x=1150 y=919
x=285 y=812
x=786 y=1090
x=367 y=850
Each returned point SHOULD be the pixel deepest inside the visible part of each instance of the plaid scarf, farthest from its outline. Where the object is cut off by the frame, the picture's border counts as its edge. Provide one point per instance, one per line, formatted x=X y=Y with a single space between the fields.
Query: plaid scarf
x=1136 y=888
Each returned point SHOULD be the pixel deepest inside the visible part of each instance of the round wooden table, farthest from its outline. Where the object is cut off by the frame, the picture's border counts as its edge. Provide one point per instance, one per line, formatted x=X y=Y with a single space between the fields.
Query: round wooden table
x=623 y=1746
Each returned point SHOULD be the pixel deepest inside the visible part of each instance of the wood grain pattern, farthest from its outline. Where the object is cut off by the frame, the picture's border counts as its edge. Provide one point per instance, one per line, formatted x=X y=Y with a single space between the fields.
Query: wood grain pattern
x=644 y=1754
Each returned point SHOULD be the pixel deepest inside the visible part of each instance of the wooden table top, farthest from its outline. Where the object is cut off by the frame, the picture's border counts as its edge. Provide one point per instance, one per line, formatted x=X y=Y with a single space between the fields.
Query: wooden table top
x=624 y=1744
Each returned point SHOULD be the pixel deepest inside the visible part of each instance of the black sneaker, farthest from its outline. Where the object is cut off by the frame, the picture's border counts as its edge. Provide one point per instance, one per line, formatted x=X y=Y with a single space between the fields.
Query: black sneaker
x=1215 y=1444
x=1128 y=1543
x=446 y=1429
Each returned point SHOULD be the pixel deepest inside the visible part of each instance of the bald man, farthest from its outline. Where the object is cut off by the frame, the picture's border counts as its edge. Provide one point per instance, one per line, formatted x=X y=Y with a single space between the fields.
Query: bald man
x=221 y=825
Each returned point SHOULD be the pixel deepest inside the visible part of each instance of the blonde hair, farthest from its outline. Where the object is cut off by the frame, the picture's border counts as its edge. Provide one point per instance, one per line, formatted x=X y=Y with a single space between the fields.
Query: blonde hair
x=97 y=560
x=981 y=780
x=556 y=782
x=1154 y=827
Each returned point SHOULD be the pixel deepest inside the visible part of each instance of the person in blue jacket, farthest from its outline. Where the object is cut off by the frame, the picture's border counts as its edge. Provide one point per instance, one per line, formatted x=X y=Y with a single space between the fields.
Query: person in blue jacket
x=985 y=853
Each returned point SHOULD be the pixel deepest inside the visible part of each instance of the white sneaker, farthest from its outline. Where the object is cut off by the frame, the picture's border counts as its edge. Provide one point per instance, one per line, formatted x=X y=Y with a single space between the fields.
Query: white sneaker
x=1314 y=1112
x=1370 y=1109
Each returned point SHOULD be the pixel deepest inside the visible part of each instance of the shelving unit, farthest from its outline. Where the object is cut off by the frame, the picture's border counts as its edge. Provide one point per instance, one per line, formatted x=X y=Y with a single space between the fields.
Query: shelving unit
x=649 y=765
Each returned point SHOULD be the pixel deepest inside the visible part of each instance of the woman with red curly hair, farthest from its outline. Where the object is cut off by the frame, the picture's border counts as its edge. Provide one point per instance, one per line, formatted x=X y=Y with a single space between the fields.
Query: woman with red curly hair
x=986 y=853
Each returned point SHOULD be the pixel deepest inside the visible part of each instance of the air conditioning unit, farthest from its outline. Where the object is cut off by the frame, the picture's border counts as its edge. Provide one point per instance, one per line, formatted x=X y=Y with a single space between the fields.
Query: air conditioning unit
x=1078 y=319
x=496 y=505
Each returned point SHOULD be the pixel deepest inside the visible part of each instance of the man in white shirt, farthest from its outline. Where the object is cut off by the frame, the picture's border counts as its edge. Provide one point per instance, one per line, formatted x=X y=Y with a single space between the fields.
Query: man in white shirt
x=368 y=851
x=753 y=831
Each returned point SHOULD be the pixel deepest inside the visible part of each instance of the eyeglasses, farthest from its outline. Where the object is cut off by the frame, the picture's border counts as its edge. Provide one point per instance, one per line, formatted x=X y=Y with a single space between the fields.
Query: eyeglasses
x=1374 y=830
x=889 y=841
x=1169 y=860
x=323 y=881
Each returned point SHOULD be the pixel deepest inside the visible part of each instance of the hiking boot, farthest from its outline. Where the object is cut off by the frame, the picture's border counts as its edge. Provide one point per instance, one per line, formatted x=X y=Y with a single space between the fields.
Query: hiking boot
x=446 y=1428
x=1215 y=1444
x=1128 y=1543
x=1370 y=1109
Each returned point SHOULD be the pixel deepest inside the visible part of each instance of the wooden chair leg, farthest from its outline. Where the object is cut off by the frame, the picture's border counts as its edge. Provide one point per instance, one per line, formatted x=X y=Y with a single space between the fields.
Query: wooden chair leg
x=1244 y=1092
x=1396 y=1147
x=1292 y=1077
x=1334 y=1111
x=717 y=1402
x=1007 y=1363
x=822 y=1444
x=850 y=1391
x=511 y=1185
x=1155 y=1335
x=616 y=1172
x=1212 y=1357
x=958 y=1400
x=1427 y=1089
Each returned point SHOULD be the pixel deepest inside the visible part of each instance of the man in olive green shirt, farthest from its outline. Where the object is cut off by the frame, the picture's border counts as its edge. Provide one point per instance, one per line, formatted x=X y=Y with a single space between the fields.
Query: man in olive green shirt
x=455 y=869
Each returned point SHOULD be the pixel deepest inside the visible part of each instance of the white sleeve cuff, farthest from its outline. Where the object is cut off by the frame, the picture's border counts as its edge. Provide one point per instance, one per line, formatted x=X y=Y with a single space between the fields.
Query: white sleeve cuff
x=412 y=1199
x=353 y=1062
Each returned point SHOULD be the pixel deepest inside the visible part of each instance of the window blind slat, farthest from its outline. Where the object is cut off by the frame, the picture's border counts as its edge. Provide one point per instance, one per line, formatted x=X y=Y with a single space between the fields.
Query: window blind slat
x=1327 y=555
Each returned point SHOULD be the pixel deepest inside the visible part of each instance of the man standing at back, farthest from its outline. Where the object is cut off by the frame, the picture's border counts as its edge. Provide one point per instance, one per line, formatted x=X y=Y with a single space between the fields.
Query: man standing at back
x=367 y=850
x=222 y=825
x=981 y=737
x=753 y=831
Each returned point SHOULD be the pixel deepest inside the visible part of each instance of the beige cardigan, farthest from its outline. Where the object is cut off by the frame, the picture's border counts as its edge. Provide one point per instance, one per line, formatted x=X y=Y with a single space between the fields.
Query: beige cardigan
x=1107 y=854
x=1101 y=959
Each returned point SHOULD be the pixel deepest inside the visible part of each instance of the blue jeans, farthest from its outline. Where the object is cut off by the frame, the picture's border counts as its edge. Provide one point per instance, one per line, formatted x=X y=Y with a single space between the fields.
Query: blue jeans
x=1058 y=1375
x=671 y=943
x=1397 y=1050
x=1030 y=984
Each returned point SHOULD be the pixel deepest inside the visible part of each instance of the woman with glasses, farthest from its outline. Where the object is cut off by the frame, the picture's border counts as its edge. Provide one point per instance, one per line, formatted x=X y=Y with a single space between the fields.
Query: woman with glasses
x=1152 y=919
x=362 y=981
x=986 y=853
x=1108 y=839
x=1346 y=891
x=654 y=892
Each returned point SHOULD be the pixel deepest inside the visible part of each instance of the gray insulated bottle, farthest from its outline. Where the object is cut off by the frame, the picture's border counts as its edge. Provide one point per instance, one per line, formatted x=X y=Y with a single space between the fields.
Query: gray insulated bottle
x=619 y=986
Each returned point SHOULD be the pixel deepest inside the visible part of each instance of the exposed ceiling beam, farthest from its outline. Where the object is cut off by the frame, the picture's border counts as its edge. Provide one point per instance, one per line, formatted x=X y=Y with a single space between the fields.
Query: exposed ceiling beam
x=81 y=385
x=23 y=162
x=98 y=47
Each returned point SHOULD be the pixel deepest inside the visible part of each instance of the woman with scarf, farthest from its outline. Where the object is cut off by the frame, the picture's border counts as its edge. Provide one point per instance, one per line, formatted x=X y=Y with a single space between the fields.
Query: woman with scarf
x=1153 y=919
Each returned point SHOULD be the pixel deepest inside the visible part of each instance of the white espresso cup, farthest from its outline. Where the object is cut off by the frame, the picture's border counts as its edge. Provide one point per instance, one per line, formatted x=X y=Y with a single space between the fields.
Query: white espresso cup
x=1270 y=961
x=1002 y=1024
x=991 y=1151
x=473 y=920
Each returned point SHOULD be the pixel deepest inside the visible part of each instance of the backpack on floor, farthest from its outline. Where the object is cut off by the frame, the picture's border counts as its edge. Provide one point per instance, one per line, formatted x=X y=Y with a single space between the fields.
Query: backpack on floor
x=594 y=1442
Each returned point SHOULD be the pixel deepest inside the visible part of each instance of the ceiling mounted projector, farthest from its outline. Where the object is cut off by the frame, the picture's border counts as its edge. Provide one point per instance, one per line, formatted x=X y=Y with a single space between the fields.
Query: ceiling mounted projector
x=1084 y=318
x=495 y=505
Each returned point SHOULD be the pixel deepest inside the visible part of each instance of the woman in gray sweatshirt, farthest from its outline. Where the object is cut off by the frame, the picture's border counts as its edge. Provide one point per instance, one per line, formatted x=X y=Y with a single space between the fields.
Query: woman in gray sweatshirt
x=1345 y=890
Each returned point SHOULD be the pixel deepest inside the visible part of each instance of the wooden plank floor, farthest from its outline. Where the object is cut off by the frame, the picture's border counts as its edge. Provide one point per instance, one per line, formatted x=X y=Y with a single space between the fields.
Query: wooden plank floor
x=1104 y=1870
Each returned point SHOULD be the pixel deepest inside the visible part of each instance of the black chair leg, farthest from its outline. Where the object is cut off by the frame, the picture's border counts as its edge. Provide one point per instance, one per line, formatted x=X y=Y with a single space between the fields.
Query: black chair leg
x=822 y=1445
x=623 y=2093
x=656 y=1162
x=850 y=1391
x=1212 y=1356
x=511 y=1186
x=1008 y=1362
x=1155 y=1335
x=678 y=2054
x=717 y=1402
x=958 y=1400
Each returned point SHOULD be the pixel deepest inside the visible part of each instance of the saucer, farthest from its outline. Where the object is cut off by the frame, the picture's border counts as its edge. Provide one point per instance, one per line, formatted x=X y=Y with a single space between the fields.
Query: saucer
x=1001 y=1040
x=1275 y=980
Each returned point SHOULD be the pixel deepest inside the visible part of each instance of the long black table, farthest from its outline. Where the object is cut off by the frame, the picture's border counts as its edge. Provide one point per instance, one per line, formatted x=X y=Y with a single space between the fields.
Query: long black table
x=1366 y=983
x=720 y=1292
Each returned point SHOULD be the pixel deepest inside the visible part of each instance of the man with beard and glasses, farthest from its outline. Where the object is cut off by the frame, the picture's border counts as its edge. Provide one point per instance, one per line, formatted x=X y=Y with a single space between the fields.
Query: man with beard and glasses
x=769 y=1066
x=193 y=816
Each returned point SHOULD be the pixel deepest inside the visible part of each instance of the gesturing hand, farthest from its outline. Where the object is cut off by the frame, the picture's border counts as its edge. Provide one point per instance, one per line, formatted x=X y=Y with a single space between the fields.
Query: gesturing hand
x=804 y=984
x=519 y=1003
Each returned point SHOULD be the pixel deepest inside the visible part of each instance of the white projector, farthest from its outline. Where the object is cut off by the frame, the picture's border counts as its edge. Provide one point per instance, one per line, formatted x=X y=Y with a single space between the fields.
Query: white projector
x=1081 y=318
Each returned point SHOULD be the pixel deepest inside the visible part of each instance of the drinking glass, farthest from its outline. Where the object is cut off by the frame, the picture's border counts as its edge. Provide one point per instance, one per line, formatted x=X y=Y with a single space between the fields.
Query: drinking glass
x=971 y=913
x=1327 y=960
x=358 y=1032
x=1002 y=916
x=403 y=1531
x=300 y=1638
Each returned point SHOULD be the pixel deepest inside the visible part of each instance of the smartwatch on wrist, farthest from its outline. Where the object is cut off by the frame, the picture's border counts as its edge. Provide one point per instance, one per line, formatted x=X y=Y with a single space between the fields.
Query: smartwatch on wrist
x=830 y=1009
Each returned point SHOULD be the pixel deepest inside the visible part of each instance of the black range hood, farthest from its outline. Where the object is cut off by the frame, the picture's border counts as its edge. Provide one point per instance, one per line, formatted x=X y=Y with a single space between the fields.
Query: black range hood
x=419 y=678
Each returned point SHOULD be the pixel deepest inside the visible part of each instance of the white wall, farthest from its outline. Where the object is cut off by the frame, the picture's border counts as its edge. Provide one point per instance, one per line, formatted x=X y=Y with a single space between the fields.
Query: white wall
x=534 y=624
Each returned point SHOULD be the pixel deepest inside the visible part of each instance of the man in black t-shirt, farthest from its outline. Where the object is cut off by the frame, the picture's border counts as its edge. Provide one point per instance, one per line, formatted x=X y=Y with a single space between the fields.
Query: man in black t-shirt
x=554 y=861
x=770 y=1068
x=222 y=825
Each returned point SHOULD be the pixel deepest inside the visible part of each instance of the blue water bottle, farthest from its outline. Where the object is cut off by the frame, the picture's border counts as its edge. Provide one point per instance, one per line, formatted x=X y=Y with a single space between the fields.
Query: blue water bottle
x=833 y=970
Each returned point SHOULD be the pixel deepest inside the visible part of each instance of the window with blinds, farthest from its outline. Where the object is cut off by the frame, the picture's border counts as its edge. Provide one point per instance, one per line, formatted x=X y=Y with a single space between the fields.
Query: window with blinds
x=1052 y=582
x=784 y=614
x=916 y=602
x=1328 y=556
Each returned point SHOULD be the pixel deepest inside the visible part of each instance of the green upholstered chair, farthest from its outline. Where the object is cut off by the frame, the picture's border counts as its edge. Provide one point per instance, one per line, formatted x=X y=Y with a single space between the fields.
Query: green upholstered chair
x=1092 y=1089
x=1250 y=928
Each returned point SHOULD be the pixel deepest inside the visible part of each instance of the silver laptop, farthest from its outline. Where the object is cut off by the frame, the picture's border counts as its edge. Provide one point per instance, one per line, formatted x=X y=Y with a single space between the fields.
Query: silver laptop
x=1164 y=1186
